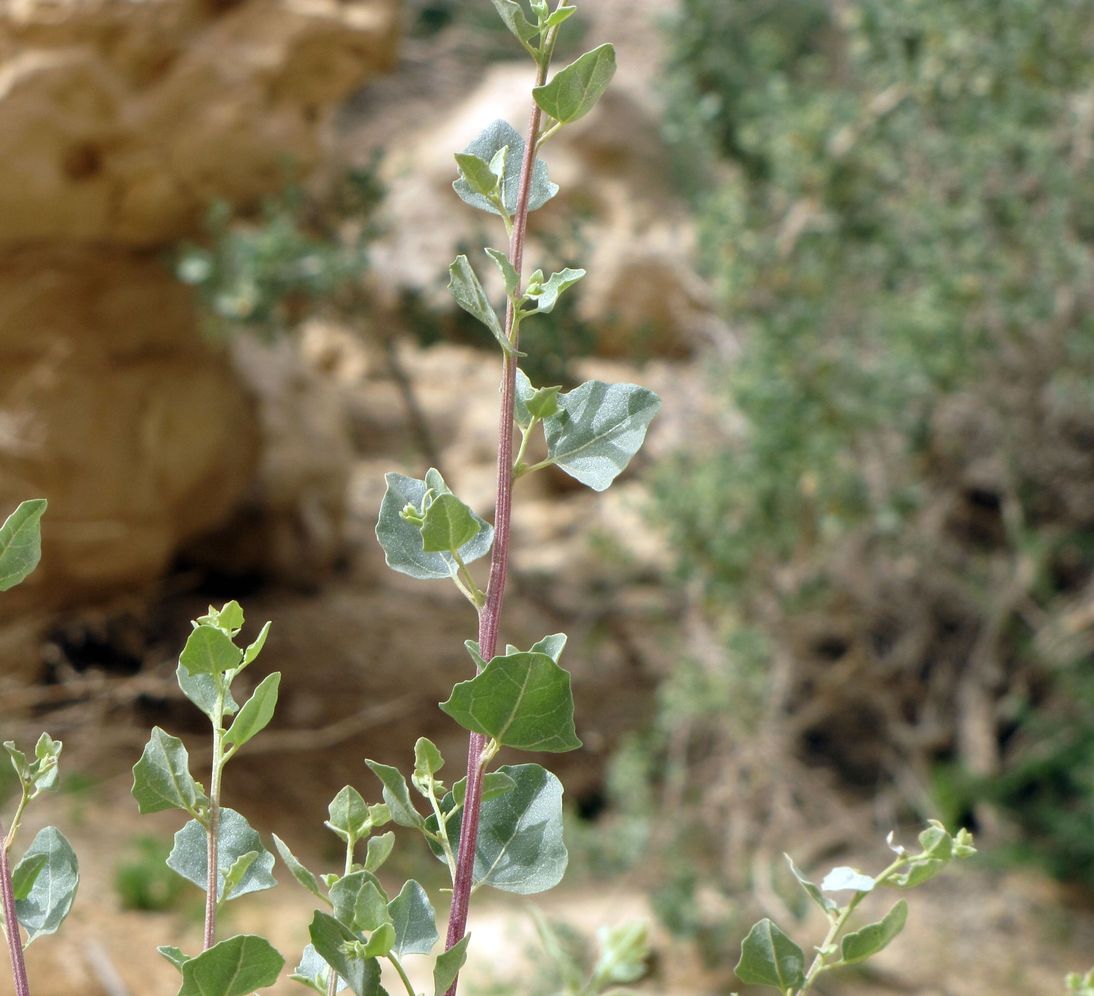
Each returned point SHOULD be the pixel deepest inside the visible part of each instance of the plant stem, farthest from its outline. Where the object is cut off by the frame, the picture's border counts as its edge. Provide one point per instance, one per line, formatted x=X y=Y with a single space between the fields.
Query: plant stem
x=213 y=829
x=402 y=973
x=11 y=922
x=490 y=617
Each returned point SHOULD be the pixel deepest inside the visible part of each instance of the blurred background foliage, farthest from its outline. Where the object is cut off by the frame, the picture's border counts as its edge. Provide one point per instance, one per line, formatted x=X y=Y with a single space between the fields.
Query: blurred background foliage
x=889 y=529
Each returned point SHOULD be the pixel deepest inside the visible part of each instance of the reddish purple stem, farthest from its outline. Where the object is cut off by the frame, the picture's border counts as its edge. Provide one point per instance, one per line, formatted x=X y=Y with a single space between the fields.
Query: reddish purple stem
x=11 y=922
x=490 y=617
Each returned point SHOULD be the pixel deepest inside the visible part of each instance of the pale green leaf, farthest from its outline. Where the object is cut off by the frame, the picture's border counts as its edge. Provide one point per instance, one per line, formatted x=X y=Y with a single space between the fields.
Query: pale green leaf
x=349 y=814
x=256 y=713
x=402 y=540
x=255 y=648
x=189 y=856
x=508 y=274
x=379 y=850
x=21 y=542
x=574 y=91
x=597 y=430
x=519 y=847
x=47 y=903
x=448 y=966
x=26 y=872
x=174 y=955
x=470 y=295
x=494 y=137
x=162 y=779
x=209 y=650
x=234 y=967
x=302 y=874
x=521 y=700
x=396 y=794
x=826 y=905
x=358 y=901
x=512 y=14
x=476 y=173
x=545 y=295
x=414 y=919
x=202 y=690
x=770 y=958
x=449 y=525
x=336 y=945
x=869 y=940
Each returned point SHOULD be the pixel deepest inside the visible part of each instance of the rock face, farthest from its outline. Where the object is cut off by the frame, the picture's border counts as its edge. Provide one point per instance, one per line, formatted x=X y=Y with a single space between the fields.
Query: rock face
x=121 y=121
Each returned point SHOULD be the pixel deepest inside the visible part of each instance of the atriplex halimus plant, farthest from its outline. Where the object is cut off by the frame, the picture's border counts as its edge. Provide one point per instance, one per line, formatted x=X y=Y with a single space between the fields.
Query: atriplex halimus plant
x=770 y=958
x=217 y=849
x=37 y=893
x=504 y=827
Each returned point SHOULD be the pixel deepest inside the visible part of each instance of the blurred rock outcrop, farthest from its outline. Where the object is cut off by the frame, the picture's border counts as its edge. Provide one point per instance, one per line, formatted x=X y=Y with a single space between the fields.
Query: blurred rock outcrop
x=121 y=121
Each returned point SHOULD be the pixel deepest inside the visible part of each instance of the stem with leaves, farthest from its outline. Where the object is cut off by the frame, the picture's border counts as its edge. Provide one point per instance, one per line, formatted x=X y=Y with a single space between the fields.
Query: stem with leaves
x=11 y=920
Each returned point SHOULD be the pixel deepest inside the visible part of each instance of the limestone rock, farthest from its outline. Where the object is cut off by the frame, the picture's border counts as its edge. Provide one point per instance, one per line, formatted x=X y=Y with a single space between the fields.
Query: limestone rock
x=131 y=116
x=113 y=409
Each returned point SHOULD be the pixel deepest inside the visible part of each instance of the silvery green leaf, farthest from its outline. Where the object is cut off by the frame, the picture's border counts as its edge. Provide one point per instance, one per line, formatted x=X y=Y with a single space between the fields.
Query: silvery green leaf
x=234 y=967
x=869 y=940
x=818 y=897
x=21 y=542
x=396 y=794
x=470 y=295
x=476 y=173
x=402 y=540
x=337 y=946
x=414 y=919
x=558 y=16
x=302 y=874
x=520 y=700
x=201 y=689
x=234 y=875
x=427 y=759
x=494 y=783
x=162 y=779
x=936 y=842
x=545 y=295
x=449 y=525
x=597 y=430
x=43 y=771
x=552 y=646
x=448 y=966
x=314 y=972
x=472 y=647
x=520 y=847
x=209 y=650
x=174 y=955
x=770 y=958
x=255 y=648
x=512 y=14
x=230 y=617
x=358 y=901
x=524 y=391
x=47 y=903
x=18 y=761
x=574 y=91
x=917 y=873
x=235 y=838
x=494 y=137
x=379 y=850
x=349 y=814
x=508 y=274
x=25 y=874
x=543 y=404
x=256 y=713
x=844 y=879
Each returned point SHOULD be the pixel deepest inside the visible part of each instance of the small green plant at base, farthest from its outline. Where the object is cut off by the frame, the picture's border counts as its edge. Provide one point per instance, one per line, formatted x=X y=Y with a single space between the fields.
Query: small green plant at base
x=1080 y=985
x=36 y=895
x=217 y=850
x=769 y=957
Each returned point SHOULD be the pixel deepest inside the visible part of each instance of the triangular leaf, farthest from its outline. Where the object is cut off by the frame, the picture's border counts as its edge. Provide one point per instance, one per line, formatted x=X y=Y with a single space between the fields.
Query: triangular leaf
x=520 y=847
x=448 y=966
x=358 y=901
x=396 y=794
x=414 y=919
x=521 y=700
x=597 y=430
x=162 y=779
x=234 y=967
x=209 y=650
x=189 y=856
x=494 y=137
x=770 y=958
x=337 y=946
x=574 y=91
x=449 y=525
